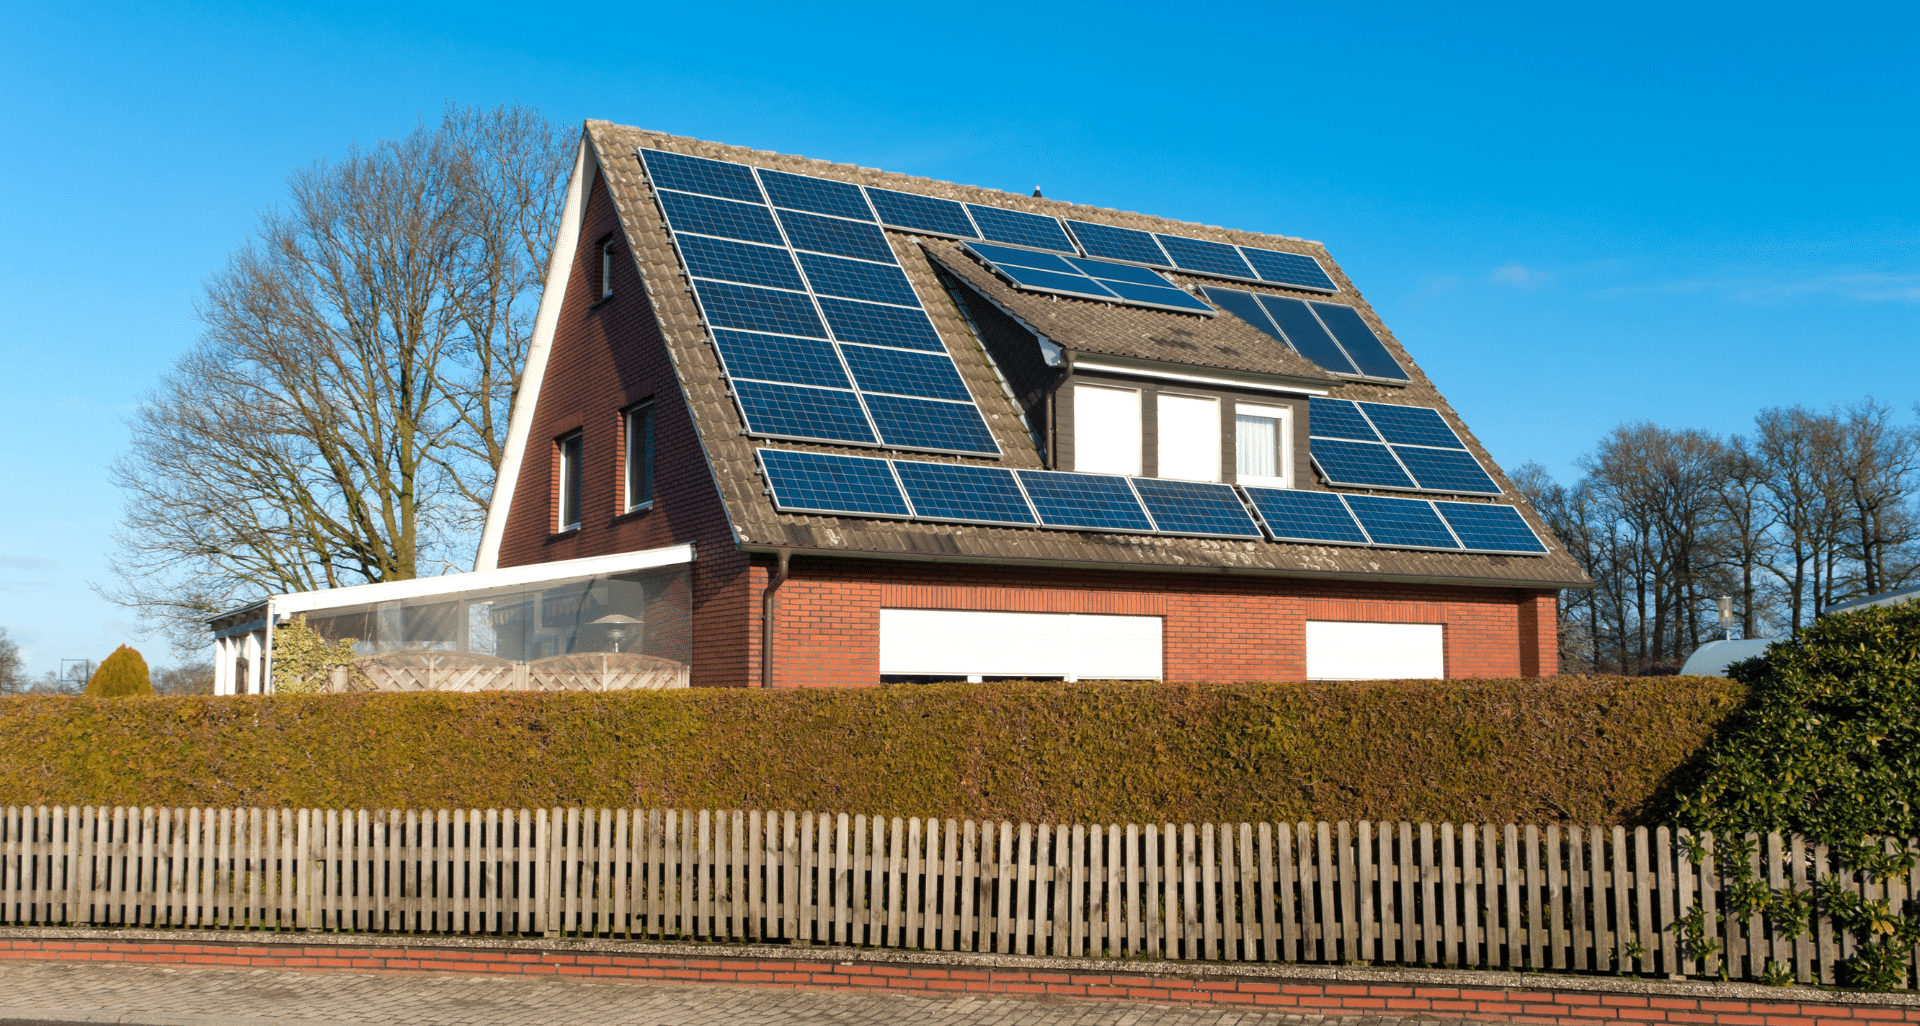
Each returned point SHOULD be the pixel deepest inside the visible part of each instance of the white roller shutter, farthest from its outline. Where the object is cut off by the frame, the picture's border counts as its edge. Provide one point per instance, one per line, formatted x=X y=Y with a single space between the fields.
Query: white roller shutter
x=964 y=643
x=1375 y=651
x=1189 y=438
x=1106 y=430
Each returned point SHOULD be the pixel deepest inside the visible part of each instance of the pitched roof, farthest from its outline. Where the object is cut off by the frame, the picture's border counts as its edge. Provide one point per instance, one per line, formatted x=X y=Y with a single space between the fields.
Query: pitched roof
x=1223 y=342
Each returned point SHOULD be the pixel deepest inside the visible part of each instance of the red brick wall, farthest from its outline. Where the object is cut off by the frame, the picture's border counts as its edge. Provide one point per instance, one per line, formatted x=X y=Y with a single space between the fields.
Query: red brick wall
x=606 y=356
x=1215 y=628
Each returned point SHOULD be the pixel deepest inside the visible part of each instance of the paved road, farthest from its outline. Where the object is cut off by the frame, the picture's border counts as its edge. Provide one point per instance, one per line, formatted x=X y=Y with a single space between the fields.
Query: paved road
x=52 y=993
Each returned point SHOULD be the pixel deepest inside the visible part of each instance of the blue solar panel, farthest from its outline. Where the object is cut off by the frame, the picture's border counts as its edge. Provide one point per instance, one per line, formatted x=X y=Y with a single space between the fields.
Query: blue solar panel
x=1149 y=295
x=1007 y=255
x=1288 y=268
x=1048 y=281
x=1487 y=528
x=858 y=279
x=698 y=174
x=1095 y=501
x=739 y=261
x=833 y=235
x=1020 y=228
x=901 y=372
x=881 y=325
x=795 y=411
x=755 y=309
x=926 y=424
x=1104 y=240
x=1445 y=470
x=953 y=491
x=1119 y=272
x=1364 y=464
x=818 y=195
x=1359 y=341
x=798 y=361
x=1401 y=523
x=921 y=213
x=1195 y=507
x=1306 y=334
x=1205 y=257
x=1411 y=425
x=1244 y=306
x=1337 y=418
x=1294 y=515
x=704 y=215
x=814 y=482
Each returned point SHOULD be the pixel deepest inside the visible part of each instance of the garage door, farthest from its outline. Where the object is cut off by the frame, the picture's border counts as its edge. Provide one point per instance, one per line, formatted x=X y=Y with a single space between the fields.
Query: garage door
x=1374 y=651
x=957 y=644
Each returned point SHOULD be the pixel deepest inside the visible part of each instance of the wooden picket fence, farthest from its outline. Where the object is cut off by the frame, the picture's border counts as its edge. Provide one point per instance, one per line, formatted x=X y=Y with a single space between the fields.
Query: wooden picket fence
x=1579 y=899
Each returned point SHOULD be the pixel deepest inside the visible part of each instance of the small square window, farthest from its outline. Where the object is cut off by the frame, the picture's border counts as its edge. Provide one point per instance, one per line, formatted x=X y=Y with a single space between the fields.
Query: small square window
x=640 y=457
x=1261 y=446
x=569 y=479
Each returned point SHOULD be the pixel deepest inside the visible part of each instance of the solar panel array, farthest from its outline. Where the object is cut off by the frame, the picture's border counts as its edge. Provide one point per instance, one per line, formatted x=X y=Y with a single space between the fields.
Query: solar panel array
x=1376 y=445
x=1200 y=256
x=837 y=485
x=1087 y=279
x=821 y=334
x=1331 y=335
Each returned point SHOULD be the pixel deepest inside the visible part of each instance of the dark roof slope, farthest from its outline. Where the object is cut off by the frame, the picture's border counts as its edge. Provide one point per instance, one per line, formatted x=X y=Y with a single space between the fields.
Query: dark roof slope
x=1221 y=342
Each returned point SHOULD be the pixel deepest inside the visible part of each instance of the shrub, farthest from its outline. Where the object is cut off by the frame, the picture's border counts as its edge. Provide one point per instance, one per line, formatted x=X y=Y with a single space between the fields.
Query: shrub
x=303 y=660
x=120 y=675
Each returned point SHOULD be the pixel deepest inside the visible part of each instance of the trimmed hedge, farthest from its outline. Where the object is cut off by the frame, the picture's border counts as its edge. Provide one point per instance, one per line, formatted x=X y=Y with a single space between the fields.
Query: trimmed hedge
x=1586 y=749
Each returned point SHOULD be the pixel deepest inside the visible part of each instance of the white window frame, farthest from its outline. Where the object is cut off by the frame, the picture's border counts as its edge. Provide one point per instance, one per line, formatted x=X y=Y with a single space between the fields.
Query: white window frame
x=606 y=268
x=1213 y=436
x=639 y=430
x=1081 y=430
x=571 y=478
x=1285 y=442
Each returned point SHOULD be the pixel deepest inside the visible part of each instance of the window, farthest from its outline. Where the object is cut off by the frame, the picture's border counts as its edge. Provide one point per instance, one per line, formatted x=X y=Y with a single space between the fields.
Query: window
x=640 y=457
x=569 y=477
x=606 y=268
x=945 y=644
x=1338 y=650
x=1189 y=437
x=1106 y=430
x=1262 y=446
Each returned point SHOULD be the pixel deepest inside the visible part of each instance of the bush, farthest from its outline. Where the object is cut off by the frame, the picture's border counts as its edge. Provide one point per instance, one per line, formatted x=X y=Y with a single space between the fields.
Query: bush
x=120 y=675
x=1829 y=745
x=303 y=660
x=1585 y=749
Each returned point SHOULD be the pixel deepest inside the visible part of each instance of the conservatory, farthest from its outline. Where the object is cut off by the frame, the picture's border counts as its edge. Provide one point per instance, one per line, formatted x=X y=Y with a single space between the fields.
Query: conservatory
x=600 y=623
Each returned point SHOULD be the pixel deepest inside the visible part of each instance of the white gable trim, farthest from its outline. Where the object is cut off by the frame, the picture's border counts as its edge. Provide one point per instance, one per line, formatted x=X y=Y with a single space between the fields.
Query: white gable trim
x=520 y=423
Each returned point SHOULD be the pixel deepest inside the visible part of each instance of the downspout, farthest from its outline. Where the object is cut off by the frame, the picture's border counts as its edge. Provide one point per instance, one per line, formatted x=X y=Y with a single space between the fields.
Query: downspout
x=767 y=600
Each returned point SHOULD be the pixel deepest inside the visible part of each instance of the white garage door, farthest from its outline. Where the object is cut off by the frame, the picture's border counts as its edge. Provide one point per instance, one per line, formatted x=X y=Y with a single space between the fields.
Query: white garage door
x=1374 y=651
x=1077 y=646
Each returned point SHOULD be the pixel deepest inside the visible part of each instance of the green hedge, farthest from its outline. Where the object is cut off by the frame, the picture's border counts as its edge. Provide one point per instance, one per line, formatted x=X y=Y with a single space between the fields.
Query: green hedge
x=1585 y=749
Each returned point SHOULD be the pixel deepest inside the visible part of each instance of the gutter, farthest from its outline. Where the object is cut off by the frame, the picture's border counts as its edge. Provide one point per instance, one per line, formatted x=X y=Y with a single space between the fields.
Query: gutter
x=768 y=606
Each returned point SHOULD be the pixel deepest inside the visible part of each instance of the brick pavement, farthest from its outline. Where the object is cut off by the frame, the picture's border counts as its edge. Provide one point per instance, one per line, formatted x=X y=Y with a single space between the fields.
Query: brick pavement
x=67 y=992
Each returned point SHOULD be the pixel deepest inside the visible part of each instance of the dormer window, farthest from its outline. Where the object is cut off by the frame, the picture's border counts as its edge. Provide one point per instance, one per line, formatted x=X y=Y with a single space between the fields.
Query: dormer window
x=1261 y=440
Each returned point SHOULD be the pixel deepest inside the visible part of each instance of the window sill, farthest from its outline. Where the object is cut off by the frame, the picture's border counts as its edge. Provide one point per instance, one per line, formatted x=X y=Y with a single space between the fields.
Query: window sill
x=1261 y=482
x=563 y=532
x=602 y=301
x=635 y=510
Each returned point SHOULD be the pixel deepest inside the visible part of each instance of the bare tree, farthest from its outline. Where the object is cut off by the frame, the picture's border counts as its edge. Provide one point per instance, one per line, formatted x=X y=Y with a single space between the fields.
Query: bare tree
x=13 y=674
x=343 y=416
x=1747 y=539
x=185 y=679
x=1795 y=446
x=1876 y=461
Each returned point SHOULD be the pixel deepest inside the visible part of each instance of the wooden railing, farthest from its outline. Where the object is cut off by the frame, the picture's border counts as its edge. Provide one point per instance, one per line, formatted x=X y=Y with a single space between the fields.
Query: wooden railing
x=1581 y=899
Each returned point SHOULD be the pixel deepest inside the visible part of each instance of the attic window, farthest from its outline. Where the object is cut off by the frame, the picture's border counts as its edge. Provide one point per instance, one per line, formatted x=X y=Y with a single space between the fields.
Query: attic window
x=568 y=451
x=607 y=249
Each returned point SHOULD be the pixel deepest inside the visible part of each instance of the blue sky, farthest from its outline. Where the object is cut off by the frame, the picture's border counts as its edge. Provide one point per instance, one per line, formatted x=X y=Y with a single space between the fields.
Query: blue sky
x=1572 y=216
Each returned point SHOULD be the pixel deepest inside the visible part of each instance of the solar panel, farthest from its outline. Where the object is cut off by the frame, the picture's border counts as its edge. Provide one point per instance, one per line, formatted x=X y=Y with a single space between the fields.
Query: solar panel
x=739 y=261
x=819 y=195
x=796 y=361
x=858 y=279
x=1020 y=228
x=1361 y=464
x=921 y=213
x=1401 y=523
x=698 y=174
x=955 y=491
x=812 y=482
x=1160 y=296
x=1294 y=515
x=1484 y=527
x=1082 y=277
x=755 y=309
x=1288 y=268
x=881 y=325
x=928 y=424
x=1106 y=271
x=1338 y=418
x=1368 y=353
x=1445 y=470
x=1244 y=306
x=796 y=411
x=1306 y=334
x=1104 y=240
x=1205 y=257
x=1093 y=501
x=704 y=215
x=1049 y=281
x=1411 y=425
x=903 y=372
x=1008 y=256
x=836 y=235
x=1195 y=507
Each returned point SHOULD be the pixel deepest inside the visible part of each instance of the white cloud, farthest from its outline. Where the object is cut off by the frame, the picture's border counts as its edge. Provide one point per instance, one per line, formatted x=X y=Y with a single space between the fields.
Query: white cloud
x=27 y=563
x=1519 y=277
x=1869 y=287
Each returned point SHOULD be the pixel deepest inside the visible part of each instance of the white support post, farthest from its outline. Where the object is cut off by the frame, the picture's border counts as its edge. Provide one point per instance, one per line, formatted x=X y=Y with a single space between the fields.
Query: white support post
x=222 y=667
x=255 y=652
